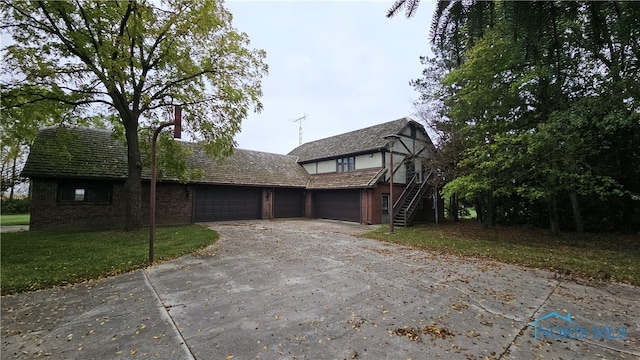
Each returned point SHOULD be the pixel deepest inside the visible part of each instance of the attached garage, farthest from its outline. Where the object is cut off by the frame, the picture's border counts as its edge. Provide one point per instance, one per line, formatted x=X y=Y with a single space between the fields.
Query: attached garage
x=288 y=203
x=337 y=205
x=217 y=203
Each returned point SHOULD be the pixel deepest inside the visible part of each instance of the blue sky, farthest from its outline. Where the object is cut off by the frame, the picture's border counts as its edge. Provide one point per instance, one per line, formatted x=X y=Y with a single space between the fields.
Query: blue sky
x=341 y=62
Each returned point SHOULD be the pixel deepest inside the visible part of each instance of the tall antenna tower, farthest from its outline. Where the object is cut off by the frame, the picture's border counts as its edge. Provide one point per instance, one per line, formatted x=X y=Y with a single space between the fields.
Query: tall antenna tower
x=299 y=120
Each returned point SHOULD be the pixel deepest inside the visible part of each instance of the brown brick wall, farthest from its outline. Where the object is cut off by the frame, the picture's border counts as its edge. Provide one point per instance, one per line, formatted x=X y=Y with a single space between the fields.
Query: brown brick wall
x=308 y=205
x=173 y=206
x=377 y=204
x=48 y=214
x=267 y=203
x=364 y=206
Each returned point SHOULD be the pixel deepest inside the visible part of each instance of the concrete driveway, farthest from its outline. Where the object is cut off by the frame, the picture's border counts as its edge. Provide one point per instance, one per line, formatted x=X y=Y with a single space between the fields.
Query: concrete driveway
x=303 y=289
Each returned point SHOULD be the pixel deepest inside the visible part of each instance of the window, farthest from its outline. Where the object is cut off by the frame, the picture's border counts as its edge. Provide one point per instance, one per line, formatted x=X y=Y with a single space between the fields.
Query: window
x=94 y=192
x=385 y=204
x=346 y=164
x=79 y=195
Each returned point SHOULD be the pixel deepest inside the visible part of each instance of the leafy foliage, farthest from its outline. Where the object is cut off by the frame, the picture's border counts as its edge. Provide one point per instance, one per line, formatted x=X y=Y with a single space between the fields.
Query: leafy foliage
x=539 y=110
x=128 y=62
x=14 y=206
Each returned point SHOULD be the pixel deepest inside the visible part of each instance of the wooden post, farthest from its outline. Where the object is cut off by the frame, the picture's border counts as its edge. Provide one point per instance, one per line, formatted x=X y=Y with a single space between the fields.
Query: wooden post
x=392 y=139
x=152 y=196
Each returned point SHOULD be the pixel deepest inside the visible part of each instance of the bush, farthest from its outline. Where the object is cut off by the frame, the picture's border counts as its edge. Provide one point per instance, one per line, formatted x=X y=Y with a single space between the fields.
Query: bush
x=15 y=206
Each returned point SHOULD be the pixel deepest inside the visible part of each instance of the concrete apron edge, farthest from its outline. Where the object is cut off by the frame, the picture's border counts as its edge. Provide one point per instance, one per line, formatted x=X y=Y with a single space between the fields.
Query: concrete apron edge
x=165 y=315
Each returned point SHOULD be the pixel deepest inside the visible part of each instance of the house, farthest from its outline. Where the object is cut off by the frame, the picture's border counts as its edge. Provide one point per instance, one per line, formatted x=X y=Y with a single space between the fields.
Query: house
x=77 y=180
x=349 y=173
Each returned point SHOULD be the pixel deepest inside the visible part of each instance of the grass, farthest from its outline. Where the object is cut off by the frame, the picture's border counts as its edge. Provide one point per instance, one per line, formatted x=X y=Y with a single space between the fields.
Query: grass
x=601 y=257
x=8 y=220
x=37 y=260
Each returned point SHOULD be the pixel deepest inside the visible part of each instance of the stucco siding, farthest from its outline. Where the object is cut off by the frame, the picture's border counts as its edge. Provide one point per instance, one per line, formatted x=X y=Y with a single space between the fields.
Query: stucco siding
x=326 y=166
x=367 y=161
x=310 y=168
x=399 y=175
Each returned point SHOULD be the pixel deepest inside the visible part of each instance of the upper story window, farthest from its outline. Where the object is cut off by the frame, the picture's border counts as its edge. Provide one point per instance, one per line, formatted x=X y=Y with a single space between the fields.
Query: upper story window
x=346 y=164
x=84 y=192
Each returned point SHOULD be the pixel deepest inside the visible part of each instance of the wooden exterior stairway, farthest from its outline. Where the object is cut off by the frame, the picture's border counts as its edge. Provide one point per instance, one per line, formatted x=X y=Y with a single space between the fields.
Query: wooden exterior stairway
x=404 y=209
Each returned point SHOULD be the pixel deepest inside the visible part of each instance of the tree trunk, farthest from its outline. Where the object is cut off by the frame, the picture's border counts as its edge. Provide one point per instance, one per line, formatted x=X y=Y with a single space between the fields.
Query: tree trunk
x=491 y=209
x=13 y=176
x=554 y=219
x=133 y=185
x=453 y=208
x=576 y=212
x=486 y=203
x=478 y=205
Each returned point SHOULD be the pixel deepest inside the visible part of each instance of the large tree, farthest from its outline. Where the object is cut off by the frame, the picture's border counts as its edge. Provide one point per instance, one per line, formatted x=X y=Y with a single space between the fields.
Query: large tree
x=134 y=59
x=539 y=107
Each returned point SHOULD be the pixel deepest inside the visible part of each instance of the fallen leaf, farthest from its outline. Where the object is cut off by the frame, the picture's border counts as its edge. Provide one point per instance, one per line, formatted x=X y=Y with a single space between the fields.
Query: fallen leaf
x=471 y=334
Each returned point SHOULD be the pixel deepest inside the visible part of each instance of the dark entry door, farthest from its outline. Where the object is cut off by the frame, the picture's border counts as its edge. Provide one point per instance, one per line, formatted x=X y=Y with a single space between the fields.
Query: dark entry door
x=288 y=203
x=410 y=168
x=337 y=205
x=216 y=203
x=385 y=208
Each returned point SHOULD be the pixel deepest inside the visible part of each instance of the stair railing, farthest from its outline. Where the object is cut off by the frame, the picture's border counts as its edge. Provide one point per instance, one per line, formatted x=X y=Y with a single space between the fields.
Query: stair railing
x=408 y=213
x=404 y=195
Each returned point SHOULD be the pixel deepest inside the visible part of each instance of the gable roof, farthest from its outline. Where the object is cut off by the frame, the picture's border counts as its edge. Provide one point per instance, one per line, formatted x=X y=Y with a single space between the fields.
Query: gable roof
x=76 y=152
x=353 y=142
x=86 y=153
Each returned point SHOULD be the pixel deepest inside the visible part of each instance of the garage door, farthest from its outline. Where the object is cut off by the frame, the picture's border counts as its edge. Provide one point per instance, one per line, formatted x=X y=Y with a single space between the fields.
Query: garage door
x=215 y=203
x=337 y=205
x=288 y=203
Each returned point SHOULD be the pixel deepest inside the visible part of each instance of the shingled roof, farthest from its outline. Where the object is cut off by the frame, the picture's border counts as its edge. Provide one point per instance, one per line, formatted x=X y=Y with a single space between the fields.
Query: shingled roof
x=247 y=167
x=76 y=152
x=364 y=178
x=353 y=142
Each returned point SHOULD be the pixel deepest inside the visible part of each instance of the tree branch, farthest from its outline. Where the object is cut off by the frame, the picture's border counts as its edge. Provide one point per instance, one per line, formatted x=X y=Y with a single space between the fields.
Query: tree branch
x=42 y=97
x=69 y=45
x=88 y=27
x=158 y=94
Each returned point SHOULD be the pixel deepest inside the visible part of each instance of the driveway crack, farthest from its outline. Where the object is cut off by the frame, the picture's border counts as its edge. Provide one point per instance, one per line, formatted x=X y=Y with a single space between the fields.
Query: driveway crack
x=526 y=322
x=479 y=304
x=165 y=314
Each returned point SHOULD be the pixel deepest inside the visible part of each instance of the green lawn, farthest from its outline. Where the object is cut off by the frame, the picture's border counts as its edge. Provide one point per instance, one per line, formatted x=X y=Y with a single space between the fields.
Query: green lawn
x=7 y=220
x=36 y=260
x=601 y=257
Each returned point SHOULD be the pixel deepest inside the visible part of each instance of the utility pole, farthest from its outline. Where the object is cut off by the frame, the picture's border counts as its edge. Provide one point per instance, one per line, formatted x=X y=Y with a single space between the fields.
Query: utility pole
x=299 y=120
